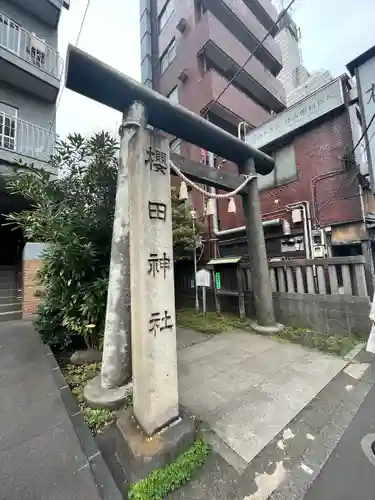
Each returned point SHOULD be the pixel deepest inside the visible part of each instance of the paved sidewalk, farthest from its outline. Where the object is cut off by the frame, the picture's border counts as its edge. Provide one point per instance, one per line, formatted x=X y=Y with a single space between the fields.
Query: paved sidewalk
x=248 y=388
x=40 y=455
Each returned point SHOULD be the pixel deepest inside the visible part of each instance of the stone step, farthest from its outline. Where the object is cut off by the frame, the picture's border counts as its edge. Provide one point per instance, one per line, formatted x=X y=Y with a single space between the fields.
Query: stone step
x=9 y=285
x=10 y=299
x=10 y=316
x=13 y=306
x=10 y=292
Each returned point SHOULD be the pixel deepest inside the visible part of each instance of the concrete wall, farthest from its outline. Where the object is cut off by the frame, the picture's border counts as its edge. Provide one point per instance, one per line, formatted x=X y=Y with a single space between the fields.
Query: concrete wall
x=330 y=314
x=30 y=108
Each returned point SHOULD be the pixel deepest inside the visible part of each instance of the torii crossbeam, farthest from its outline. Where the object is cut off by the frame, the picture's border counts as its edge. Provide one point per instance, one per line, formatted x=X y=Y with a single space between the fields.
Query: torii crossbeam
x=92 y=78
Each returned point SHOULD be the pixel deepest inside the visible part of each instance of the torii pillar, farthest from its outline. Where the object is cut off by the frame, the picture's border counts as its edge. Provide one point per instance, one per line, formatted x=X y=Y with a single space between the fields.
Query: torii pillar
x=91 y=78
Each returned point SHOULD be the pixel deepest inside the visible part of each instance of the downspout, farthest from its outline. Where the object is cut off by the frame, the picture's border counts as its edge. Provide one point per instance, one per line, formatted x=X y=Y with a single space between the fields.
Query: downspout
x=307 y=226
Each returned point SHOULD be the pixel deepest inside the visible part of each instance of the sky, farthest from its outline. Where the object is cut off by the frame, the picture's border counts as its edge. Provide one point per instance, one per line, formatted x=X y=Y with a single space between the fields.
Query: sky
x=333 y=33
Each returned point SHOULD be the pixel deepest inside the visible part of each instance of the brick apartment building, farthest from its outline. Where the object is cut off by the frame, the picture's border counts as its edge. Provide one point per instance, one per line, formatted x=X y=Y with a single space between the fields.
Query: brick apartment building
x=191 y=49
x=317 y=201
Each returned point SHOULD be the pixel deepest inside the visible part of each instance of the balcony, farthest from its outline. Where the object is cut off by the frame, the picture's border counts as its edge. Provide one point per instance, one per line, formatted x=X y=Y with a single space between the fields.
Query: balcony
x=26 y=141
x=265 y=12
x=47 y=11
x=224 y=53
x=239 y=19
x=27 y=62
x=233 y=106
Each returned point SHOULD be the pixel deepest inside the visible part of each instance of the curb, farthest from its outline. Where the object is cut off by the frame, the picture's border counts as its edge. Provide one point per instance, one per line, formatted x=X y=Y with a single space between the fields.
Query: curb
x=102 y=476
x=355 y=351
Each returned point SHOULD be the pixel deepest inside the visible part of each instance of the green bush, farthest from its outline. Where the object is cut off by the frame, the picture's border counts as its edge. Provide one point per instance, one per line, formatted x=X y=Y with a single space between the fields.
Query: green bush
x=161 y=482
x=73 y=213
x=76 y=377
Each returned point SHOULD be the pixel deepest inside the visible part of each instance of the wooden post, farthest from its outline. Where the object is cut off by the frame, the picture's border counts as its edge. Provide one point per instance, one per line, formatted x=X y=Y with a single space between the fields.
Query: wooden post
x=241 y=295
x=333 y=283
x=300 y=286
x=347 y=282
x=321 y=280
x=289 y=280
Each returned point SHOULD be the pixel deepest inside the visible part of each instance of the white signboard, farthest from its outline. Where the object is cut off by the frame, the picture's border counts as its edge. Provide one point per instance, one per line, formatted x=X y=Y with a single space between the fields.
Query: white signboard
x=316 y=105
x=366 y=83
x=203 y=278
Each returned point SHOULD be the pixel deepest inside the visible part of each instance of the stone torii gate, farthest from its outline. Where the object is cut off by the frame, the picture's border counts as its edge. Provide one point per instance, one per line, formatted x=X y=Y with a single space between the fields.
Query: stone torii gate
x=145 y=193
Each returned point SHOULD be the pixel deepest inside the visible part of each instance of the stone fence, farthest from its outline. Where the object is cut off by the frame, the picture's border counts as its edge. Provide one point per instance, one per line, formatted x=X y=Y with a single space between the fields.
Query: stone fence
x=339 y=275
x=324 y=295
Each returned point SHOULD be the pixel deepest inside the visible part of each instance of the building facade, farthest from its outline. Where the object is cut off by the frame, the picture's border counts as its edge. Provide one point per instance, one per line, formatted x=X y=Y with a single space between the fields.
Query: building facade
x=297 y=81
x=30 y=77
x=192 y=51
x=318 y=201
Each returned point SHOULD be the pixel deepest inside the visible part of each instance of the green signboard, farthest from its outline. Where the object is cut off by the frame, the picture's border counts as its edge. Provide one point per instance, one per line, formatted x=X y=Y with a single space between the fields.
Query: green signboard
x=217 y=280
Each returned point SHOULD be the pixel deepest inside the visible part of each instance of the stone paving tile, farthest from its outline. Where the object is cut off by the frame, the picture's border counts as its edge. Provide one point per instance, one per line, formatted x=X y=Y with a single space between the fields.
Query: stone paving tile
x=293 y=388
x=49 y=466
x=202 y=401
x=26 y=422
x=20 y=394
x=249 y=423
x=239 y=378
x=187 y=337
x=40 y=455
x=249 y=387
x=319 y=364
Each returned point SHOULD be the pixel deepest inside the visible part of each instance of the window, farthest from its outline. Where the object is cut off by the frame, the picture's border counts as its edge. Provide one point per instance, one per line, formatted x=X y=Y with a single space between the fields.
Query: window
x=168 y=56
x=8 y=126
x=166 y=14
x=285 y=169
x=175 y=146
x=173 y=96
x=9 y=34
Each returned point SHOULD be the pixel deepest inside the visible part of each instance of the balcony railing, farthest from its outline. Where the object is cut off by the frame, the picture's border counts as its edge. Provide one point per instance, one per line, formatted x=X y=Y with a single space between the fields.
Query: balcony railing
x=27 y=139
x=29 y=47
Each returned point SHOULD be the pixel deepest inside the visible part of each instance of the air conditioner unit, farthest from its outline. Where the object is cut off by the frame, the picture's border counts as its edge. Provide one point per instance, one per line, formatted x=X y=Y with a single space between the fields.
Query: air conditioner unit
x=182 y=25
x=37 y=49
x=319 y=252
x=183 y=76
x=297 y=215
x=38 y=43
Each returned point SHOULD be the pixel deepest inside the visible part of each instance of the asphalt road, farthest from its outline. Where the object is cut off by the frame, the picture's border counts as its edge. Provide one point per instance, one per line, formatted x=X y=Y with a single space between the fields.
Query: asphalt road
x=348 y=473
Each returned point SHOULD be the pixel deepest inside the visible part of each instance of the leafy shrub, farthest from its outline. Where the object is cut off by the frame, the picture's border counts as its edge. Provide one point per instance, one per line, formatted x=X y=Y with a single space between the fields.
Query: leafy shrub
x=161 y=482
x=73 y=213
x=76 y=377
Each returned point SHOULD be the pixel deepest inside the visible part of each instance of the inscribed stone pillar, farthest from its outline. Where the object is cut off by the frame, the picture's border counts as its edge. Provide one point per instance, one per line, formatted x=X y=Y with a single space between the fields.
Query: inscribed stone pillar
x=154 y=355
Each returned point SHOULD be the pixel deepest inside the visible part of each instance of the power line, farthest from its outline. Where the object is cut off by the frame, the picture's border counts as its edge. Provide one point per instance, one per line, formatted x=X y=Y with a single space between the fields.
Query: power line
x=62 y=71
x=260 y=44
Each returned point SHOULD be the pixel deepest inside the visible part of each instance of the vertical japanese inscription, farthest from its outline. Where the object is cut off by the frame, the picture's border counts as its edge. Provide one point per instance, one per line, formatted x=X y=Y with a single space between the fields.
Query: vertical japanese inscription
x=157 y=211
